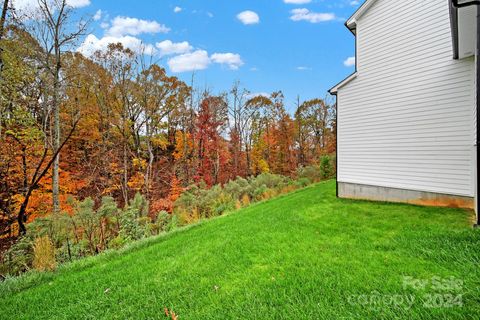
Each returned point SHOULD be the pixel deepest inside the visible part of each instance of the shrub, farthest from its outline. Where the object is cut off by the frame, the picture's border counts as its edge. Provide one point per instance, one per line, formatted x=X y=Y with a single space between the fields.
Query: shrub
x=118 y=242
x=87 y=218
x=269 y=194
x=163 y=222
x=271 y=181
x=185 y=217
x=245 y=201
x=288 y=188
x=326 y=167
x=303 y=182
x=312 y=173
x=44 y=254
x=133 y=219
x=237 y=188
x=69 y=251
x=238 y=204
x=19 y=257
x=258 y=193
x=222 y=203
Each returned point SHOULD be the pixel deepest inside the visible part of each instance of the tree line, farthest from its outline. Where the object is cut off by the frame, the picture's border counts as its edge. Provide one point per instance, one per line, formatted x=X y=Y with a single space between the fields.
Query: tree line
x=117 y=125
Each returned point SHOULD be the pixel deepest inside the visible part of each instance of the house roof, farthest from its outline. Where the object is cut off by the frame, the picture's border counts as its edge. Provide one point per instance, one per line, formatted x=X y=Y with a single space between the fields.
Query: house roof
x=342 y=83
x=352 y=21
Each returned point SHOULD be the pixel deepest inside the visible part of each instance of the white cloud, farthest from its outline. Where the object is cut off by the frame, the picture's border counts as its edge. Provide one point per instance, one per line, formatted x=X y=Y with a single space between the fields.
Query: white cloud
x=200 y=60
x=354 y=3
x=98 y=15
x=122 y=26
x=78 y=3
x=301 y=68
x=313 y=17
x=92 y=44
x=197 y=60
x=248 y=17
x=234 y=61
x=297 y=1
x=177 y=9
x=168 y=47
x=258 y=94
x=350 y=62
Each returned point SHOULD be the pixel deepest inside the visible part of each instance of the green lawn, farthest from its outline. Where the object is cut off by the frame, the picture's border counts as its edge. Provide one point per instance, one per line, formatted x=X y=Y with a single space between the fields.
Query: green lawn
x=306 y=255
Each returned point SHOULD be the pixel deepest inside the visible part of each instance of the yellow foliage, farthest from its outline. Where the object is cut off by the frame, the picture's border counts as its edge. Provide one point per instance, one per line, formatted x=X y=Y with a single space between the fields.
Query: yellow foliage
x=287 y=189
x=245 y=200
x=160 y=142
x=137 y=181
x=238 y=204
x=139 y=163
x=189 y=217
x=44 y=254
x=183 y=144
x=269 y=194
x=263 y=166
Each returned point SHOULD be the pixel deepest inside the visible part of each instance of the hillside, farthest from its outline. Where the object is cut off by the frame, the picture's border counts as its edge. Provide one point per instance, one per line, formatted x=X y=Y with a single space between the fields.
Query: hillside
x=306 y=255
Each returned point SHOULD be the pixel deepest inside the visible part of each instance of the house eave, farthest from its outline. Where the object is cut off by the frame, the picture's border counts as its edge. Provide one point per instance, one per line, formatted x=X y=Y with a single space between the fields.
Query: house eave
x=333 y=91
x=352 y=21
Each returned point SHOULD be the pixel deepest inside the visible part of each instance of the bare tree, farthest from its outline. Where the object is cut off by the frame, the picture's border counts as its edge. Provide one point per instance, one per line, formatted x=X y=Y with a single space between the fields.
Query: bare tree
x=57 y=32
x=239 y=114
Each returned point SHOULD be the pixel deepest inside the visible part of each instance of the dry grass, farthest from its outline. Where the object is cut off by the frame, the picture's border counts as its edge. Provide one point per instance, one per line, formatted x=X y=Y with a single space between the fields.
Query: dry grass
x=44 y=254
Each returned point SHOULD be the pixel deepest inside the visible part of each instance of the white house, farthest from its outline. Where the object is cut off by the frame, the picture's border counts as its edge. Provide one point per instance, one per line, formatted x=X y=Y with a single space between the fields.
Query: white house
x=407 y=116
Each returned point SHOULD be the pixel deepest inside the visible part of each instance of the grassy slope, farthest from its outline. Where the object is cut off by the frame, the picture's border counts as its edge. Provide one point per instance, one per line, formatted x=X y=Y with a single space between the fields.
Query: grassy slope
x=297 y=257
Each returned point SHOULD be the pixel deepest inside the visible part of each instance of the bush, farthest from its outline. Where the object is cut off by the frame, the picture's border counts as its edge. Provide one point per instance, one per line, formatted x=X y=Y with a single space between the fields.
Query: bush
x=312 y=173
x=237 y=188
x=44 y=254
x=258 y=193
x=199 y=202
x=163 y=222
x=303 y=182
x=326 y=167
x=118 y=242
x=270 y=181
x=19 y=257
x=245 y=200
x=132 y=222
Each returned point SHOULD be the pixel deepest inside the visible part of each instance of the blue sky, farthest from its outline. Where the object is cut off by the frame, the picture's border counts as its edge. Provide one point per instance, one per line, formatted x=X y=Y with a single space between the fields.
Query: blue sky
x=300 y=52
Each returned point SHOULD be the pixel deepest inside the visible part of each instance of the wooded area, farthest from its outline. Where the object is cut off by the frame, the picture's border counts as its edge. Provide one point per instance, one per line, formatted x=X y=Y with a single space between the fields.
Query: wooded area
x=84 y=136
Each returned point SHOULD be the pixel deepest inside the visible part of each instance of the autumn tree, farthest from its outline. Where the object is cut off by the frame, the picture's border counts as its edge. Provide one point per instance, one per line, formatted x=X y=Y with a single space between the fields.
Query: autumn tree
x=121 y=64
x=211 y=147
x=159 y=95
x=314 y=119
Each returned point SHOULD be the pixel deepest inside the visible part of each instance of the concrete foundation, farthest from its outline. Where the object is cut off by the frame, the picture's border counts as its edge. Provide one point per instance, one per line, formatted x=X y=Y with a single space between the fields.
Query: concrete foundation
x=374 y=193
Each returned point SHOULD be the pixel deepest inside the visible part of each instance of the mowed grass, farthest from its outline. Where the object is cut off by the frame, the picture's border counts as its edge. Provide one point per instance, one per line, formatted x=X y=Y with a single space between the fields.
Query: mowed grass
x=306 y=255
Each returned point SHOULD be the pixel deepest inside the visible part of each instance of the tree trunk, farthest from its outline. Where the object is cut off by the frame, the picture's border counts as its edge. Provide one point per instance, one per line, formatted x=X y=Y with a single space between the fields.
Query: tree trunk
x=2 y=33
x=56 y=124
x=125 y=173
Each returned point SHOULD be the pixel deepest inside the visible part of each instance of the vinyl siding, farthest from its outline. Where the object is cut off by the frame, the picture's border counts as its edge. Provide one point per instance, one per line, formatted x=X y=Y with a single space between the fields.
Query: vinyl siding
x=406 y=121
